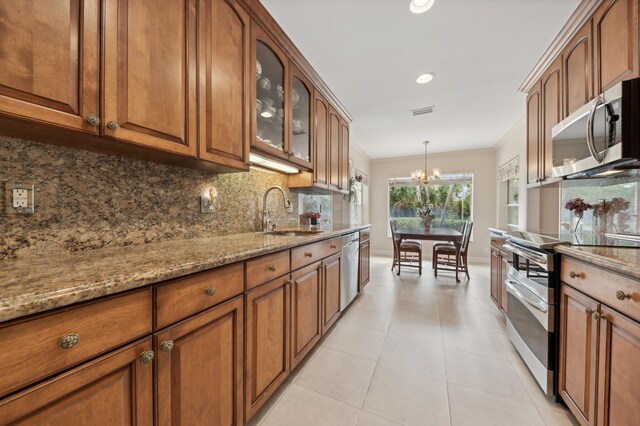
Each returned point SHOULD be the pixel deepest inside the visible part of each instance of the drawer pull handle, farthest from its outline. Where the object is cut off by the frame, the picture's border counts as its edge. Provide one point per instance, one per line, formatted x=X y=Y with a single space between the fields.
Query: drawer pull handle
x=147 y=356
x=621 y=295
x=573 y=274
x=211 y=291
x=113 y=125
x=166 y=346
x=308 y=254
x=333 y=246
x=69 y=340
x=272 y=268
x=588 y=311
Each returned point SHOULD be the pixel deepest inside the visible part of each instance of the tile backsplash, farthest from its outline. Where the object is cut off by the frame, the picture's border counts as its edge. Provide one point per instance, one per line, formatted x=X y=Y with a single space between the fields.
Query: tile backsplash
x=86 y=200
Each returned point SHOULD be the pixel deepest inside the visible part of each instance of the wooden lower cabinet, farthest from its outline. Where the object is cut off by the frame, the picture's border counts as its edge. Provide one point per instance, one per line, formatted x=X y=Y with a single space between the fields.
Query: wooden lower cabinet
x=364 y=273
x=578 y=346
x=199 y=368
x=306 y=330
x=267 y=316
x=115 y=389
x=330 y=291
x=618 y=399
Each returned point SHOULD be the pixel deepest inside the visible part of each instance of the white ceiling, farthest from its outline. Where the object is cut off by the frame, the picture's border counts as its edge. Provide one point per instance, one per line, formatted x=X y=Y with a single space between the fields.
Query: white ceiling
x=371 y=51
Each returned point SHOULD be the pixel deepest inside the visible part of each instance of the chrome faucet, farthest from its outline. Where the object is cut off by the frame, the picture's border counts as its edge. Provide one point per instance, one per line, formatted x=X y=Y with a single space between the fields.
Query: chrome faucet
x=265 y=212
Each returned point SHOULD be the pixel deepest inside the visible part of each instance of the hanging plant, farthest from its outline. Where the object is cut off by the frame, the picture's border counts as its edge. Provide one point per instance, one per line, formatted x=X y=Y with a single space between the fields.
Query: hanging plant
x=352 y=196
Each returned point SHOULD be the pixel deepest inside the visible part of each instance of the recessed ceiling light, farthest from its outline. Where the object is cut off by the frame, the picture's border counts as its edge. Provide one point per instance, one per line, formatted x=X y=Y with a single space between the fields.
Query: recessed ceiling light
x=425 y=78
x=420 y=6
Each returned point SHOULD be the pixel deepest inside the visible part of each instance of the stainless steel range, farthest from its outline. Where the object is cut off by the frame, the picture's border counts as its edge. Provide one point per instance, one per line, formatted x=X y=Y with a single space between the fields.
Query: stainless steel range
x=532 y=287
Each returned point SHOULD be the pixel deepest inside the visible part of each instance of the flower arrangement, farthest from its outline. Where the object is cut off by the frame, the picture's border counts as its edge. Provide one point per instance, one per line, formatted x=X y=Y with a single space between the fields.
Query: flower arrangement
x=313 y=217
x=352 y=196
x=578 y=207
x=605 y=211
x=425 y=212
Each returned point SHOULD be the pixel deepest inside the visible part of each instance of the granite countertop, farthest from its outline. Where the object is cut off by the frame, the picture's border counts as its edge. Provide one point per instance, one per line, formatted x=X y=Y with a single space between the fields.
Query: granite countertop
x=35 y=284
x=623 y=260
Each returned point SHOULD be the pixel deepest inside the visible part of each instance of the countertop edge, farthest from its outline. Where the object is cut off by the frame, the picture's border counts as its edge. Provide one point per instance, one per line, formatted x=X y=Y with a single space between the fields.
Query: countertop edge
x=31 y=303
x=609 y=263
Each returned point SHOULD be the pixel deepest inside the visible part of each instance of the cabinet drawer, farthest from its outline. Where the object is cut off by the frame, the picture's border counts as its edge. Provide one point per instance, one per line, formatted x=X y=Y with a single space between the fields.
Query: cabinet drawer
x=34 y=347
x=305 y=255
x=181 y=298
x=603 y=285
x=365 y=235
x=267 y=268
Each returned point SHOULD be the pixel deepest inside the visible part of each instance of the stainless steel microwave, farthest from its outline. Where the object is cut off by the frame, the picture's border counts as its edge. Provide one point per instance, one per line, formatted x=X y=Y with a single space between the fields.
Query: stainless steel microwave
x=601 y=137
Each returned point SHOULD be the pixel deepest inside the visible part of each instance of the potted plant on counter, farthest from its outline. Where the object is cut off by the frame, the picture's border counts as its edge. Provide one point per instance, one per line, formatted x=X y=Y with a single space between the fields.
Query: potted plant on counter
x=313 y=218
x=424 y=211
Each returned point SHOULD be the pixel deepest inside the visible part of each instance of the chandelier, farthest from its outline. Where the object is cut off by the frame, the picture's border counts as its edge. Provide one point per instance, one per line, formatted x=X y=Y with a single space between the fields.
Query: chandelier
x=422 y=177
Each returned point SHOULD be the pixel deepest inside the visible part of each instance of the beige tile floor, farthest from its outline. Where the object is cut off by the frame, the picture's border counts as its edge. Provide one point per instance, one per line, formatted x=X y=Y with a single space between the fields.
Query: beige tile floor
x=415 y=350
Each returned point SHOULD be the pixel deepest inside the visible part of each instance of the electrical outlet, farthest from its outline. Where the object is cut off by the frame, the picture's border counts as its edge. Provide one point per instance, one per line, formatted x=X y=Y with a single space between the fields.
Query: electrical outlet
x=20 y=198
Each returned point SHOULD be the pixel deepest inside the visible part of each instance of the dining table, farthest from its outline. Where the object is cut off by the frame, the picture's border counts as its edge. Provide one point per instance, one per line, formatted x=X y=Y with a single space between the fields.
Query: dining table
x=436 y=234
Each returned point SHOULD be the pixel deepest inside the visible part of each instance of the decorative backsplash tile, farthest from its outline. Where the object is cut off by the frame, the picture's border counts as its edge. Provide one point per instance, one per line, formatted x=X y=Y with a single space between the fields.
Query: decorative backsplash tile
x=86 y=200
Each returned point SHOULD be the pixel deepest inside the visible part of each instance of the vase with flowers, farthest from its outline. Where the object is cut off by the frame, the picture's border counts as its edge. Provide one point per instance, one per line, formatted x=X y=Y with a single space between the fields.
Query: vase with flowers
x=313 y=217
x=427 y=216
x=577 y=207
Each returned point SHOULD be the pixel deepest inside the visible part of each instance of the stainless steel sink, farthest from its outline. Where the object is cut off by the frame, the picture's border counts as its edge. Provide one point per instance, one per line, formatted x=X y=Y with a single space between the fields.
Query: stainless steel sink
x=294 y=232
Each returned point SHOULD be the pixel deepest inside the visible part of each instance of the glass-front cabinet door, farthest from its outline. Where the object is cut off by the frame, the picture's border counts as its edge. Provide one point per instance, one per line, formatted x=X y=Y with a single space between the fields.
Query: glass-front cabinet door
x=270 y=129
x=301 y=113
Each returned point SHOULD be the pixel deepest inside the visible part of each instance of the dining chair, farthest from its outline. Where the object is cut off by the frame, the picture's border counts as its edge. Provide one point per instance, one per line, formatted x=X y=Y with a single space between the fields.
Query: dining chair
x=444 y=257
x=405 y=253
x=437 y=245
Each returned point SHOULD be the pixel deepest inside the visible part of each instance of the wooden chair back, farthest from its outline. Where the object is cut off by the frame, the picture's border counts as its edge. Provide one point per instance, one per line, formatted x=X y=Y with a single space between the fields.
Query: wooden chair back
x=466 y=236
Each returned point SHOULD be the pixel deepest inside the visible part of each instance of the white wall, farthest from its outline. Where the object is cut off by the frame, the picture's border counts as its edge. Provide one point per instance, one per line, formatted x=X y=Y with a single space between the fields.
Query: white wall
x=483 y=165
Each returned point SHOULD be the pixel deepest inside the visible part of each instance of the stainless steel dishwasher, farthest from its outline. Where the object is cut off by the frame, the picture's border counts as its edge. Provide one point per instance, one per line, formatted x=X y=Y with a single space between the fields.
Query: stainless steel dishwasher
x=349 y=269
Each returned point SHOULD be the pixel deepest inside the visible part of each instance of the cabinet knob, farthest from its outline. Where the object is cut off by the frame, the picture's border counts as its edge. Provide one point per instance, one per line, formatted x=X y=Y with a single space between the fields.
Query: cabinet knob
x=69 y=340
x=289 y=283
x=147 y=356
x=272 y=268
x=92 y=119
x=333 y=246
x=621 y=295
x=588 y=311
x=597 y=316
x=113 y=125
x=574 y=274
x=308 y=254
x=211 y=291
x=166 y=346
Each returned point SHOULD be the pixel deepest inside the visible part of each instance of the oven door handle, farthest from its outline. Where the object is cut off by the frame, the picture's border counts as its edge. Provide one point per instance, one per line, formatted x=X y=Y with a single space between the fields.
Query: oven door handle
x=512 y=286
x=526 y=255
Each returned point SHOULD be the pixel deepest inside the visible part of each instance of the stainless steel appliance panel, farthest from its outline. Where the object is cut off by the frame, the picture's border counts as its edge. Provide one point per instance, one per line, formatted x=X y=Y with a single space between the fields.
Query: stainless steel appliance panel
x=349 y=269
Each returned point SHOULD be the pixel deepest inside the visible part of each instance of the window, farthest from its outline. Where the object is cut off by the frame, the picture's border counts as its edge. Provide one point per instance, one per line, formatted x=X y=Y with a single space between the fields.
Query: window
x=450 y=201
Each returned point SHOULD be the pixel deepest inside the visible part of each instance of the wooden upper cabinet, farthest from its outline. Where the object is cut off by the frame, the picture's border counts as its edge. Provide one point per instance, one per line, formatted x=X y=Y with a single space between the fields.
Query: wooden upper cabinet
x=615 y=26
x=334 y=149
x=533 y=133
x=551 y=114
x=321 y=137
x=577 y=59
x=344 y=156
x=618 y=372
x=225 y=81
x=269 y=129
x=301 y=113
x=50 y=62
x=330 y=291
x=199 y=374
x=305 y=311
x=578 y=352
x=267 y=315
x=150 y=73
x=116 y=389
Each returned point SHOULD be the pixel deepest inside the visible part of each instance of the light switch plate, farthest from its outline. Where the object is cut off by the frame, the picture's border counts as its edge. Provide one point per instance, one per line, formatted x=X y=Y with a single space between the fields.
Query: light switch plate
x=20 y=198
